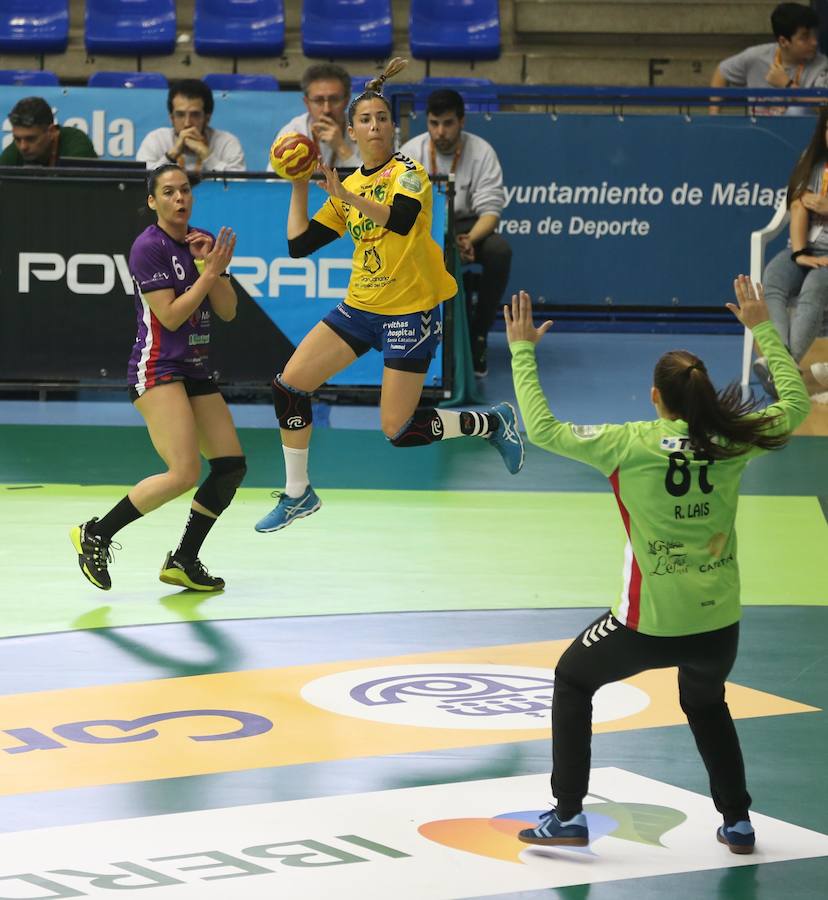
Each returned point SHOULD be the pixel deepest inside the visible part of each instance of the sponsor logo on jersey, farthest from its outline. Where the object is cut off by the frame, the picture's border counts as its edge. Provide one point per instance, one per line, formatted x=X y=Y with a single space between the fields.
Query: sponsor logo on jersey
x=411 y=182
x=586 y=431
x=371 y=261
x=671 y=442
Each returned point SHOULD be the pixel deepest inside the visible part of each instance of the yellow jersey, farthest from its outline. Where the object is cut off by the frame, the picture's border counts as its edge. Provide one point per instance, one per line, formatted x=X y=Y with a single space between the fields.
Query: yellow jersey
x=391 y=273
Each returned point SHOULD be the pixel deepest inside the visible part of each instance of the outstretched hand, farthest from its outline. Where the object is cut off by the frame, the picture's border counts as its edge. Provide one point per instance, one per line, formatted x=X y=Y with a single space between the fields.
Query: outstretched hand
x=218 y=259
x=750 y=307
x=332 y=183
x=519 y=323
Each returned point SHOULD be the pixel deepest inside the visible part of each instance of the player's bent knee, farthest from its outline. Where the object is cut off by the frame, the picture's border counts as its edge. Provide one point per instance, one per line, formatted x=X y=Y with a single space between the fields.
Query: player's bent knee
x=183 y=480
x=219 y=487
x=293 y=407
x=424 y=427
x=391 y=427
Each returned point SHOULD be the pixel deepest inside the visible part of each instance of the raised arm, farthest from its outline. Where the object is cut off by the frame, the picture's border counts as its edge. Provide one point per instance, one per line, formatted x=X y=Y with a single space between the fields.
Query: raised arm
x=599 y=446
x=750 y=309
x=297 y=222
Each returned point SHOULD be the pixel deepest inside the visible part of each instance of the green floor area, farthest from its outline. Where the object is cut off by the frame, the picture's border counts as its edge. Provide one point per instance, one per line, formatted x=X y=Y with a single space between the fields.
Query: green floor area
x=359 y=459
x=370 y=551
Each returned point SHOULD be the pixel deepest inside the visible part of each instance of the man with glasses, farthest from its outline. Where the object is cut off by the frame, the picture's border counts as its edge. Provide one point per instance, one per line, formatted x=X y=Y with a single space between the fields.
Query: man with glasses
x=38 y=141
x=327 y=92
x=191 y=143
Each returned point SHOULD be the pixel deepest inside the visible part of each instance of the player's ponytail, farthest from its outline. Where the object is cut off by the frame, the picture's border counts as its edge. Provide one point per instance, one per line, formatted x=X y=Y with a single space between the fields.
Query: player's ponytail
x=718 y=423
x=373 y=89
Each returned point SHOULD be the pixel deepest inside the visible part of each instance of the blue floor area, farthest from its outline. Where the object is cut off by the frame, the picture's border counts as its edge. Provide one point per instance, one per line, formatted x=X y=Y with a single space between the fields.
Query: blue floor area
x=588 y=378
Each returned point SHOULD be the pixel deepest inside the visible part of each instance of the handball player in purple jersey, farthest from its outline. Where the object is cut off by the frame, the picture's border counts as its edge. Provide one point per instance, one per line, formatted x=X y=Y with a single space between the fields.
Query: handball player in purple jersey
x=180 y=276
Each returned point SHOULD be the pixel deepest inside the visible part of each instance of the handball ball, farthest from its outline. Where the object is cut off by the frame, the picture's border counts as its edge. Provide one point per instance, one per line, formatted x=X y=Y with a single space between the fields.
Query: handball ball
x=293 y=156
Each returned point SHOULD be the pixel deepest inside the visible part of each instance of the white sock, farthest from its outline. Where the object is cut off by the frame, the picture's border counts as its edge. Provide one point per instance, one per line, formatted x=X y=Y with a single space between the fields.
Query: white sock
x=451 y=423
x=296 y=471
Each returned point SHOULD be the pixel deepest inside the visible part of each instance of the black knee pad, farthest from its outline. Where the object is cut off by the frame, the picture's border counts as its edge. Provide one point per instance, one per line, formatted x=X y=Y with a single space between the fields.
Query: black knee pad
x=293 y=407
x=424 y=427
x=219 y=487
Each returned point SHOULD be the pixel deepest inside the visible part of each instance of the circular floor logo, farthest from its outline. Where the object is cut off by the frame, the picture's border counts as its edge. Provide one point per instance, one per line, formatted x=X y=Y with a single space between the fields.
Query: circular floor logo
x=461 y=695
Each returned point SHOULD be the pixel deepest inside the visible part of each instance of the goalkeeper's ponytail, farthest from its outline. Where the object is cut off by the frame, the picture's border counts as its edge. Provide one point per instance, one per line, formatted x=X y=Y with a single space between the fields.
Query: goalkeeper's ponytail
x=720 y=424
x=373 y=89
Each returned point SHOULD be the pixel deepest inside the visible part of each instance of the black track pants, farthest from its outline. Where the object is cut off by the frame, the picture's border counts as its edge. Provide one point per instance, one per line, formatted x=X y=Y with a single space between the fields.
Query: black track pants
x=607 y=651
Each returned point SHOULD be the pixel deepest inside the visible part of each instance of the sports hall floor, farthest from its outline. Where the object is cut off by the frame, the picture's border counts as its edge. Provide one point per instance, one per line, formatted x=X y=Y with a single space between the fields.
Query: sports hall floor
x=363 y=712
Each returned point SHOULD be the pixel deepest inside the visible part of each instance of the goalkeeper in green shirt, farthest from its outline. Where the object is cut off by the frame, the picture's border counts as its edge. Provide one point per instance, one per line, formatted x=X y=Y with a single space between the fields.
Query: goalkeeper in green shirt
x=676 y=480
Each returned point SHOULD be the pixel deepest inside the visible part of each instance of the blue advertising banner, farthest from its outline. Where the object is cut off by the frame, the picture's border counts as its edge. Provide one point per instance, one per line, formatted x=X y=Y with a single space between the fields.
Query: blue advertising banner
x=117 y=120
x=601 y=210
x=640 y=210
x=295 y=293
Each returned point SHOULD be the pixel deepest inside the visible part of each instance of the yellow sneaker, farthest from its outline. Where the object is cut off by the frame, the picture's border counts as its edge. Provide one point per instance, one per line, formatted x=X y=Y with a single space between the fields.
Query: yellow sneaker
x=94 y=554
x=189 y=574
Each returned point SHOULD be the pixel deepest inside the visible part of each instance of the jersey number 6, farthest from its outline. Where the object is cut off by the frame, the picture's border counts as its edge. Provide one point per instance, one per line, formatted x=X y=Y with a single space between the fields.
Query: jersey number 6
x=180 y=274
x=679 y=475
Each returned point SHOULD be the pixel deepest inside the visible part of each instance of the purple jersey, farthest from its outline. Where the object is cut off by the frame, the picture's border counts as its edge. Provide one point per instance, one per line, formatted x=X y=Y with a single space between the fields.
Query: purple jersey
x=159 y=355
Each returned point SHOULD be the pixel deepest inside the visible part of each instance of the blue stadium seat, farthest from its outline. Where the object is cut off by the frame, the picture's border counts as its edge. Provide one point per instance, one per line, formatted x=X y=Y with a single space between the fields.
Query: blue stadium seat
x=37 y=77
x=34 y=26
x=127 y=80
x=130 y=27
x=482 y=101
x=346 y=29
x=455 y=29
x=221 y=81
x=239 y=27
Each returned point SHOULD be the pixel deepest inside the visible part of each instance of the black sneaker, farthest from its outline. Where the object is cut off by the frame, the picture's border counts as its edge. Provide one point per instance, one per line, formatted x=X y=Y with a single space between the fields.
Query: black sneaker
x=189 y=574
x=762 y=372
x=94 y=554
x=480 y=353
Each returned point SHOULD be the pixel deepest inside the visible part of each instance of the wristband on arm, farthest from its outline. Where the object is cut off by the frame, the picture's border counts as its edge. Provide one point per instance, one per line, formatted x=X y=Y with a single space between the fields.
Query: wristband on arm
x=797 y=253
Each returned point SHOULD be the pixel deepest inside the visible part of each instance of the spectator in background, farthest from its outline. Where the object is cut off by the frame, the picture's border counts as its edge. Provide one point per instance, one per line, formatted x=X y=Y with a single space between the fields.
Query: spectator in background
x=191 y=143
x=38 y=141
x=792 y=61
x=796 y=279
x=327 y=93
x=478 y=202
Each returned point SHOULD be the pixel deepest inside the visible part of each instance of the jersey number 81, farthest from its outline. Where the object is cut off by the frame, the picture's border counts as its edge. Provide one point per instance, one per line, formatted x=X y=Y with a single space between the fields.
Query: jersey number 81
x=679 y=474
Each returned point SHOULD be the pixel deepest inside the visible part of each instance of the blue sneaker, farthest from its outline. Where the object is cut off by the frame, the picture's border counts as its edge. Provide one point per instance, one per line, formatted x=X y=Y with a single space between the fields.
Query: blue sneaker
x=288 y=509
x=740 y=837
x=506 y=437
x=551 y=832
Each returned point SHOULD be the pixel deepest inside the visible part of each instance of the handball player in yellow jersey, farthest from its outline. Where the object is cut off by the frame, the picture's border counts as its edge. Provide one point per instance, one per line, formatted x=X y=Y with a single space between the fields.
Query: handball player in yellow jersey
x=398 y=279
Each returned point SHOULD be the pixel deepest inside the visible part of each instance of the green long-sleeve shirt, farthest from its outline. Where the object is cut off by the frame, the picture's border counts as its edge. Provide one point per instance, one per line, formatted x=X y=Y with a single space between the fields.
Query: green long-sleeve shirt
x=72 y=142
x=681 y=575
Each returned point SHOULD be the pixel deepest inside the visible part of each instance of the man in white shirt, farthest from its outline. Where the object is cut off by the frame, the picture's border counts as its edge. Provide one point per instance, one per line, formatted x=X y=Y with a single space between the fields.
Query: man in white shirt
x=327 y=91
x=190 y=142
x=478 y=202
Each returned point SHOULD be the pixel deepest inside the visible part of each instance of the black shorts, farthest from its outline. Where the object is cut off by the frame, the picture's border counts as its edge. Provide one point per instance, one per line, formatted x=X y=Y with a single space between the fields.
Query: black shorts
x=195 y=387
